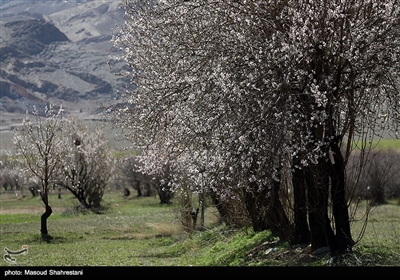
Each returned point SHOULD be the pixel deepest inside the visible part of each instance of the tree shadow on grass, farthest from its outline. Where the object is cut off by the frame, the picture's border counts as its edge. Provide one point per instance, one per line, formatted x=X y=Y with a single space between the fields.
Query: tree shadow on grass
x=57 y=239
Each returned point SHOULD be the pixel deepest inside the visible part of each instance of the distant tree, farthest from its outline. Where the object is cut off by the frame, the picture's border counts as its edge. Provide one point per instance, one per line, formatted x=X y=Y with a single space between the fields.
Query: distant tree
x=145 y=182
x=234 y=94
x=163 y=185
x=88 y=165
x=10 y=178
x=41 y=149
x=127 y=192
x=133 y=176
x=378 y=180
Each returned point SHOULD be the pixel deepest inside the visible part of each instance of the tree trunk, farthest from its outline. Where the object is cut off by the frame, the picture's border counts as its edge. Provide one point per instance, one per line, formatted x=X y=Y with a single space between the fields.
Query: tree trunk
x=194 y=214
x=276 y=217
x=83 y=203
x=222 y=210
x=321 y=232
x=255 y=209
x=148 y=190
x=343 y=240
x=301 y=231
x=126 y=192
x=379 y=195
x=79 y=194
x=164 y=193
x=138 y=189
x=43 y=223
x=203 y=209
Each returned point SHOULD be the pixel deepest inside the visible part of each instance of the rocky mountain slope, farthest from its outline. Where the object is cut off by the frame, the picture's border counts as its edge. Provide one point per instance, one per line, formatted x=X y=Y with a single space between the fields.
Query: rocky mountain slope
x=58 y=52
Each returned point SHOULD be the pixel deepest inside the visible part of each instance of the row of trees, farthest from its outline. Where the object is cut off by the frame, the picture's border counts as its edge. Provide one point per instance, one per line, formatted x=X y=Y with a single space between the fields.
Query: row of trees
x=54 y=151
x=257 y=103
x=379 y=180
x=145 y=184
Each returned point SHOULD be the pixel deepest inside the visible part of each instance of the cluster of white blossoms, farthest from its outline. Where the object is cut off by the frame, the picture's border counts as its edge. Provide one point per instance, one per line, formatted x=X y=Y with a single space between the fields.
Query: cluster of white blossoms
x=228 y=92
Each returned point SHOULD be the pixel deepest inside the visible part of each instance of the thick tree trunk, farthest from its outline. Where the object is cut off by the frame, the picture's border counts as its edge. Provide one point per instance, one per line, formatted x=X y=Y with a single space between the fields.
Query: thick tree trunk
x=149 y=191
x=83 y=203
x=222 y=210
x=321 y=232
x=255 y=209
x=301 y=230
x=256 y=202
x=79 y=194
x=343 y=241
x=43 y=223
x=164 y=194
x=276 y=217
x=138 y=189
x=267 y=213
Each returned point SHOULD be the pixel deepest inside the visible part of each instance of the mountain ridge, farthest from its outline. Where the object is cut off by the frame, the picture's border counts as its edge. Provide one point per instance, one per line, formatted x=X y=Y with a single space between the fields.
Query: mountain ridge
x=58 y=52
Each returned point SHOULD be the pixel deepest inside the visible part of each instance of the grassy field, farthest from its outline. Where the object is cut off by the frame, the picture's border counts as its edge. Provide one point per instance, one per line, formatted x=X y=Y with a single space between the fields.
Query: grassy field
x=142 y=232
x=380 y=144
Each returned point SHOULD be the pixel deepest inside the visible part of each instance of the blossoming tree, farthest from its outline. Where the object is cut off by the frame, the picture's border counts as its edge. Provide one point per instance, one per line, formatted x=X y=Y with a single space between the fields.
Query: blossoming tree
x=88 y=166
x=248 y=99
x=41 y=149
x=58 y=151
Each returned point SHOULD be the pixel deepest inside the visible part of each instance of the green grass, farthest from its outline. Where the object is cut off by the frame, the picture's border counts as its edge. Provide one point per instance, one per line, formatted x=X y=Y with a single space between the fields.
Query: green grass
x=136 y=232
x=142 y=232
x=387 y=144
x=380 y=144
x=383 y=226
